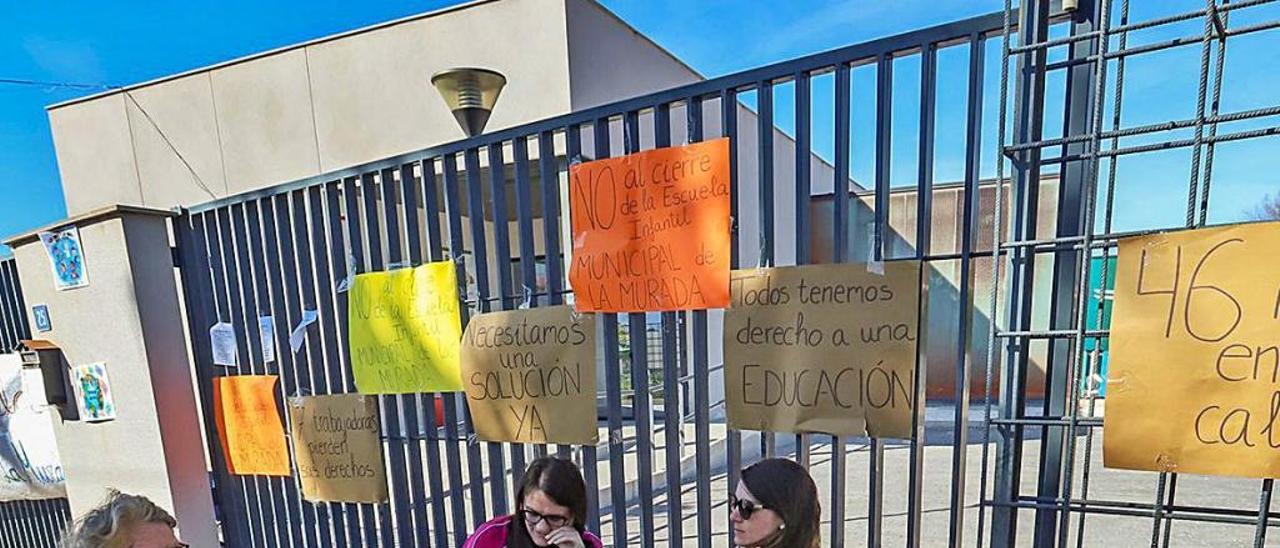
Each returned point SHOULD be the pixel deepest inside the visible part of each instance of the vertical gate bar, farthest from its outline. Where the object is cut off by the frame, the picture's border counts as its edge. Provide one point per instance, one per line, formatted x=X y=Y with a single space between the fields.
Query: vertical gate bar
x=613 y=387
x=346 y=521
x=340 y=368
x=884 y=148
x=1201 y=97
x=480 y=257
x=701 y=378
x=924 y=224
x=502 y=245
x=733 y=445
x=454 y=410
x=964 y=336
x=288 y=307
x=879 y=251
x=1092 y=101
x=547 y=161
x=411 y=405
x=1264 y=509
x=201 y=314
x=7 y=534
x=431 y=212
x=764 y=154
x=8 y=324
x=528 y=257
x=16 y=518
x=10 y=295
x=243 y=300
x=20 y=533
x=1028 y=127
x=352 y=194
x=804 y=193
x=672 y=411
x=1215 y=102
x=641 y=408
x=1056 y=447
x=374 y=262
x=24 y=324
x=840 y=254
x=549 y=183
x=590 y=456
x=262 y=304
x=994 y=301
x=396 y=408
x=306 y=245
x=235 y=313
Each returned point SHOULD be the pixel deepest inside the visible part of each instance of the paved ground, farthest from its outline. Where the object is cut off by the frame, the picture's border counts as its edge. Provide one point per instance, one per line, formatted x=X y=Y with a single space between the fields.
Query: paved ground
x=1099 y=529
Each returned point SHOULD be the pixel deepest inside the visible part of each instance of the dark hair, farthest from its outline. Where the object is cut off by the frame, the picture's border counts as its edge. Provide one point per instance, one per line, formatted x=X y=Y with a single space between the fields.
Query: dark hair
x=560 y=480
x=785 y=487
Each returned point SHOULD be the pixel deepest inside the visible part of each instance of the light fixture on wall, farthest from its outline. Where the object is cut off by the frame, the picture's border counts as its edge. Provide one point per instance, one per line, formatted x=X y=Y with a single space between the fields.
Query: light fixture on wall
x=470 y=94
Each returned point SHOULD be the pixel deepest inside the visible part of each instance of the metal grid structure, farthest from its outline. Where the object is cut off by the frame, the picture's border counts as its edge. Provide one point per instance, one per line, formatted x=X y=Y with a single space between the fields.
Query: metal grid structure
x=13 y=310
x=1085 y=157
x=287 y=249
x=24 y=523
x=33 y=523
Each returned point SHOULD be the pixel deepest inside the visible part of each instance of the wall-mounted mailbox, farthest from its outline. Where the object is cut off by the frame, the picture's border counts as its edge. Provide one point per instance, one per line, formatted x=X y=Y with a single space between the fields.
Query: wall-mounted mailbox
x=47 y=357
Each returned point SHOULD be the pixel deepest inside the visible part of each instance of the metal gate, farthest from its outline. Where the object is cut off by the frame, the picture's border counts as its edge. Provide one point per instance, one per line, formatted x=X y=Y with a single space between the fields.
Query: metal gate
x=495 y=204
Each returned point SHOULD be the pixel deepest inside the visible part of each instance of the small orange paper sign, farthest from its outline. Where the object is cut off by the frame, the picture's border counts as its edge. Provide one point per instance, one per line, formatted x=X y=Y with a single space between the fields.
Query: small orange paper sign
x=249 y=425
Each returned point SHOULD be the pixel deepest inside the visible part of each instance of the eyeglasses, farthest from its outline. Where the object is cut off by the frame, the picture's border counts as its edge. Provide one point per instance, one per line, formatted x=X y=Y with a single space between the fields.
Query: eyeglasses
x=534 y=518
x=744 y=507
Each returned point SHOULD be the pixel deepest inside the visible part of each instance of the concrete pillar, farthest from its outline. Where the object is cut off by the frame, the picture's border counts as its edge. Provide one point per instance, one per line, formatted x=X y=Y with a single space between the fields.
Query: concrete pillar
x=129 y=318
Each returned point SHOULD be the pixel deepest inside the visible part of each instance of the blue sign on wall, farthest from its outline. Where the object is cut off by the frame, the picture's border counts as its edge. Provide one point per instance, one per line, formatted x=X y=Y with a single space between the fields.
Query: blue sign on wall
x=41 y=313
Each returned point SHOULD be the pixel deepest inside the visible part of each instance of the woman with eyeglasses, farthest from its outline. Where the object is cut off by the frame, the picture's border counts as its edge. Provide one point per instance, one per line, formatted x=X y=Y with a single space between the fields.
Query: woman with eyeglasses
x=551 y=510
x=775 y=506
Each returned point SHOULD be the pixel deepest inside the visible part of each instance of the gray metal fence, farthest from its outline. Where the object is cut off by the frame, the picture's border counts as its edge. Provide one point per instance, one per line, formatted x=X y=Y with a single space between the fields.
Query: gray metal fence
x=1072 y=500
x=24 y=523
x=496 y=205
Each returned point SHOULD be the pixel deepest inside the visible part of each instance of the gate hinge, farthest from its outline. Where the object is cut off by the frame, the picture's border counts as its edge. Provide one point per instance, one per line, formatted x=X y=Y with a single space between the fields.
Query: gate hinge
x=177 y=257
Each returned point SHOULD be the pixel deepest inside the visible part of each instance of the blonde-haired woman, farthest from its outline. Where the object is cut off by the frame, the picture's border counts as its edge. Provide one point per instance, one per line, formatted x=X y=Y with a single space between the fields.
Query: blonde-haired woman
x=123 y=521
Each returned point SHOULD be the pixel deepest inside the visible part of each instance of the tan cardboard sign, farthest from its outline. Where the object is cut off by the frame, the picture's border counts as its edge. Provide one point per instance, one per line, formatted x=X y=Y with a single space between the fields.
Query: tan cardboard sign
x=1194 y=376
x=823 y=348
x=530 y=375
x=336 y=441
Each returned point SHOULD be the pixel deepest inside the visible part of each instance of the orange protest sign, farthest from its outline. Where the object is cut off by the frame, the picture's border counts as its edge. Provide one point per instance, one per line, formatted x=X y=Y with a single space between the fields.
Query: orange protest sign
x=651 y=230
x=249 y=425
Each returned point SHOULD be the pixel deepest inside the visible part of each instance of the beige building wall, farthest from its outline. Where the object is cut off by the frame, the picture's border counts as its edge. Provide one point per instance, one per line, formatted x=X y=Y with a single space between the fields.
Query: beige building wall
x=128 y=319
x=307 y=109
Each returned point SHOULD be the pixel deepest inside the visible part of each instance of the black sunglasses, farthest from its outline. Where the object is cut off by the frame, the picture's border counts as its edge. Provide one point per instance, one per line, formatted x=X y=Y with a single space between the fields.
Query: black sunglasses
x=744 y=507
x=534 y=518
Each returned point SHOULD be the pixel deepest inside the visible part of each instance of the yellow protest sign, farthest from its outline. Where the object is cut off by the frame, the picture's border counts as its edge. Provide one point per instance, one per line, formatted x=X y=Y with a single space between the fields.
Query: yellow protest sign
x=823 y=348
x=249 y=426
x=1194 y=376
x=339 y=451
x=530 y=375
x=405 y=330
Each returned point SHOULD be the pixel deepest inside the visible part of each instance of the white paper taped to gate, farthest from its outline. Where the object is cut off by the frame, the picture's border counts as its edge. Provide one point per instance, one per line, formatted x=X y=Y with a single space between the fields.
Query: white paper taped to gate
x=30 y=468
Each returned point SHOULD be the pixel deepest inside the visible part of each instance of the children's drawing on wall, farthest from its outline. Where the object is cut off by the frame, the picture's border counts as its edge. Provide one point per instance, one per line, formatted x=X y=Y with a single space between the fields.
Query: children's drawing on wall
x=66 y=257
x=93 y=392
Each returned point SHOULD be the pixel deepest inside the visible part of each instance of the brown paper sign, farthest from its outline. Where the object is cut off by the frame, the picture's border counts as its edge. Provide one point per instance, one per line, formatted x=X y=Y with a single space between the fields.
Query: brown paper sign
x=530 y=375
x=1194 y=379
x=339 y=451
x=823 y=348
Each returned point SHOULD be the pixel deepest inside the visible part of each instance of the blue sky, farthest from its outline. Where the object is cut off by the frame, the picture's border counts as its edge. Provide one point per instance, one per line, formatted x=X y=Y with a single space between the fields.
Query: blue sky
x=128 y=42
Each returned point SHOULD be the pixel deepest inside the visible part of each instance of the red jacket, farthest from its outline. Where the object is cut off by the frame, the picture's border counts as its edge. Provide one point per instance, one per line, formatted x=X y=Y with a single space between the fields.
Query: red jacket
x=493 y=534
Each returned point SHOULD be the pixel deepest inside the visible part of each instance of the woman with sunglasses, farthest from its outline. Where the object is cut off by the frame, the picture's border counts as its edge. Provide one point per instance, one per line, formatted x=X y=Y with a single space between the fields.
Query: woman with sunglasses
x=551 y=510
x=775 y=506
